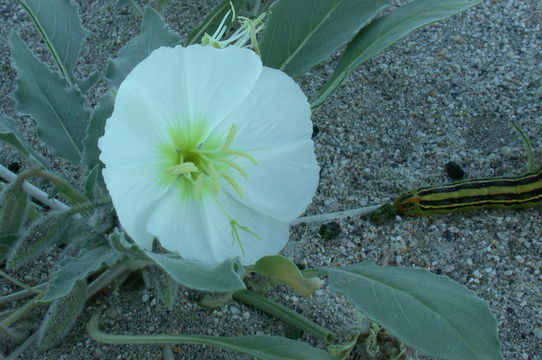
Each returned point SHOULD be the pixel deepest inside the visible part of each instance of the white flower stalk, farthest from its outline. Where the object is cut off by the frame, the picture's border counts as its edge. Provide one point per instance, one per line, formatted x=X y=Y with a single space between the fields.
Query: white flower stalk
x=246 y=33
x=209 y=152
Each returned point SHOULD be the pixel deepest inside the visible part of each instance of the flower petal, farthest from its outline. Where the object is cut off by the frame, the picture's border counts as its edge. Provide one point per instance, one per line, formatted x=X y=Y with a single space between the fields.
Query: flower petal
x=276 y=113
x=274 y=127
x=201 y=230
x=283 y=182
x=134 y=193
x=177 y=86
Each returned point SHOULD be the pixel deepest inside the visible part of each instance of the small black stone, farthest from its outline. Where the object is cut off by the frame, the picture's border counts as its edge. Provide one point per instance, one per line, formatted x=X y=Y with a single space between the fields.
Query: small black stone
x=315 y=131
x=15 y=166
x=330 y=230
x=454 y=171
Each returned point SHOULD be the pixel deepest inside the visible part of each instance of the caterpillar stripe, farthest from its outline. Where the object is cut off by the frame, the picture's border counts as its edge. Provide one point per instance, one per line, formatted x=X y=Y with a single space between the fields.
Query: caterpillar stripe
x=505 y=192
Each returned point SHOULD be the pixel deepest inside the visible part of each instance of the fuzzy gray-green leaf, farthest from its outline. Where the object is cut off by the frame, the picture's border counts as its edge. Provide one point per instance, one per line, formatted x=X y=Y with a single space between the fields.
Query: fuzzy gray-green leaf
x=302 y=33
x=72 y=269
x=154 y=33
x=58 y=110
x=60 y=27
x=61 y=316
x=14 y=204
x=431 y=313
x=164 y=286
x=10 y=135
x=41 y=235
x=197 y=275
x=95 y=130
x=384 y=32
x=213 y=20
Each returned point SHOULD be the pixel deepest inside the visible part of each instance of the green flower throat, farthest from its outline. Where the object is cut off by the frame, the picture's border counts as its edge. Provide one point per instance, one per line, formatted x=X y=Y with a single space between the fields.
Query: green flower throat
x=199 y=166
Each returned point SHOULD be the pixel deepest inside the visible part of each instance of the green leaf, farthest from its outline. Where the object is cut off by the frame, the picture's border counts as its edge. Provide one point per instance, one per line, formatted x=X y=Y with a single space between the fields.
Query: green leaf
x=94 y=183
x=89 y=82
x=41 y=235
x=283 y=269
x=302 y=33
x=60 y=27
x=58 y=110
x=213 y=19
x=61 y=316
x=118 y=242
x=428 y=312
x=95 y=130
x=72 y=269
x=14 y=206
x=261 y=347
x=154 y=33
x=384 y=32
x=10 y=135
x=227 y=276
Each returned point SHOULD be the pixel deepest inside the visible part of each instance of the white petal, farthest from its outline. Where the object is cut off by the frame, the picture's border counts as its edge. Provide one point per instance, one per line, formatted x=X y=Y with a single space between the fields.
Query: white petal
x=135 y=193
x=201 y=230
x=121 y=146
x=276 y=112
x=274 y=127
x=219 y=79
x=192 y=84
x=283 y=182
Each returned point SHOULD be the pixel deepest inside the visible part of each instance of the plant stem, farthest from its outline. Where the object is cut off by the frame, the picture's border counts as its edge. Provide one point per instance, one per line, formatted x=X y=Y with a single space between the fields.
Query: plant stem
x=106 y=278
x=364 y=211
x=69 y=192
x=22 y=348
x=33 y=191
x=21 y=312
x=21 y=294
x=284 y=313
x=239 y=343
x=17 y=282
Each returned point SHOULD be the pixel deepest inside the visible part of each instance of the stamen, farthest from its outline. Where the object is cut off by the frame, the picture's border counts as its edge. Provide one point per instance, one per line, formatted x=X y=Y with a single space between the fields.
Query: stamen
x=230 y=136
x=235 y=166
x=214 y=178
x=242 y=154
x=233 y=184
x=221 y=28
x=227 y=162
x=182 y=169
x=235 y=235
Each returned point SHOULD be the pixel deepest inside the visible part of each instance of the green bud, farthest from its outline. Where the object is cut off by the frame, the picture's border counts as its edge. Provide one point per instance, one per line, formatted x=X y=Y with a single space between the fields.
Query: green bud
x=14 y=204
x=61 y=316
x=41 y=235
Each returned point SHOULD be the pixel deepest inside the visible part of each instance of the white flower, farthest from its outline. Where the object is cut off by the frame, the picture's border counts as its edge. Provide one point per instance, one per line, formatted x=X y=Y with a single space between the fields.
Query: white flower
x=209 y=152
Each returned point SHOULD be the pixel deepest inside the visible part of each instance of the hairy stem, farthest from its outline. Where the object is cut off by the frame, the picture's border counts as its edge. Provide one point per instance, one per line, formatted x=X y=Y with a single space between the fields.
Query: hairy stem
x=21 y=312
x=17 y=282
x=364 y=211
x=33 y=191
x=21 y=294
x=284 y=313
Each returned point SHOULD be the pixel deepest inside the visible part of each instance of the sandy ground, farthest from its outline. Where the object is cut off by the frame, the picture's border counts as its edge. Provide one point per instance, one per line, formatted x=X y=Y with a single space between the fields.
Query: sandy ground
x=445 y=93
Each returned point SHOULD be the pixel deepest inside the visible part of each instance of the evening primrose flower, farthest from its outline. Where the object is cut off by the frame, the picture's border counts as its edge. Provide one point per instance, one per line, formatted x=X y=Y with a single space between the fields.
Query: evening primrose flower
x=209 y=152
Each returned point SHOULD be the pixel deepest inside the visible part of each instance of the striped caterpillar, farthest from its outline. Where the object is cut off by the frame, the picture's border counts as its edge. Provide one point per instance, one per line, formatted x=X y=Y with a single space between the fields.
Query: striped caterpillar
x=499 y=192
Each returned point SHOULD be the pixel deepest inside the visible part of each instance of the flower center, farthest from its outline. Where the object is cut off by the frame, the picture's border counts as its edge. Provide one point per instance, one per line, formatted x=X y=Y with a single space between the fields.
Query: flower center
x=206 y=164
